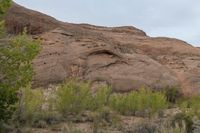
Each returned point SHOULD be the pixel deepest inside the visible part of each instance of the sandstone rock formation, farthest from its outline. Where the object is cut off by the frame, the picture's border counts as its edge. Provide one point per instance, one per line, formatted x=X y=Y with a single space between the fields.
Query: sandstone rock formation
x=35 y=23
x=124 y=57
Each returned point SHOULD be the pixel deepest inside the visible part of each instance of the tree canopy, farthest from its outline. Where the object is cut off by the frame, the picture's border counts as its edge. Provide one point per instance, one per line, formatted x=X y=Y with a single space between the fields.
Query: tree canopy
x=16 y=55
x=4 y=6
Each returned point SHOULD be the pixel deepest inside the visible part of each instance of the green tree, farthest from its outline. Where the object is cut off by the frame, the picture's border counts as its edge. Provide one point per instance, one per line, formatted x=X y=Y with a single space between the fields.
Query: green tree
x=4 y=5
x=16 y=69
x=4 y=94
x=16 y=55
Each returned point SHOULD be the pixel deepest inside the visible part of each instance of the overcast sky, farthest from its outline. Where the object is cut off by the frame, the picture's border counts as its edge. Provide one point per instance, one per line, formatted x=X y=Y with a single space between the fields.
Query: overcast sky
x=171 y=18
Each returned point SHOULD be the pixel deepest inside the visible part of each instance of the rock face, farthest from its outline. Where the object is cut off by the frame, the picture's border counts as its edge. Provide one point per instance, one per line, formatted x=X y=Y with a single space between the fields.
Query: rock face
x=124 y=57
x=19 y=17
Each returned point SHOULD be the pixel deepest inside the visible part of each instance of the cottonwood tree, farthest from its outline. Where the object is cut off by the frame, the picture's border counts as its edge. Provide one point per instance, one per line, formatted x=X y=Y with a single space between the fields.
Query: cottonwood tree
x=16 y=55
x=4 y=5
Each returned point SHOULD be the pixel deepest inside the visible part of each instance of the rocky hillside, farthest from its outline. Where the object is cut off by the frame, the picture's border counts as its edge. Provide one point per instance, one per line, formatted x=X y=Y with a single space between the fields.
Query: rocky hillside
x=124 y=57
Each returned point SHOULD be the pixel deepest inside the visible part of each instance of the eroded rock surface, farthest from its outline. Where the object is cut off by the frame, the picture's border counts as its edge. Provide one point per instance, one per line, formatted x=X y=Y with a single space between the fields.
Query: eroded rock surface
x=124 y=57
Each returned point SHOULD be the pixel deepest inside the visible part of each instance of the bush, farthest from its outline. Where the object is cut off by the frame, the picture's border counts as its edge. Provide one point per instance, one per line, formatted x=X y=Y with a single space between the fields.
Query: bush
x=194 y=105
x=104 y=117
x=100 y=98
x=190 y=108
x=191 y=105
x=36 y=108
x=172 y=94
x=8 y=98
x=143 y=101
x=29 y=110
x=183 y=120
x=2 y=29
x=70 y=128
x=73 y=98
x=119 y=102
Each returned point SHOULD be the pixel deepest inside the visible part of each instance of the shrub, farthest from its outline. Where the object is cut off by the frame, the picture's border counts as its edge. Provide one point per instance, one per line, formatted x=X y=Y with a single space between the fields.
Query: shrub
x=190 y=108
x=71 y=128
x=194 y=105
x=172 y=130
x=143 y=101
x=172 y=94
x=2 y=29
x=103 y=118
x=100 y=98
x=124 y=103
x=29 y=110
x=183 y=121
x=8 y=98
x=191 y=105
x=73 y=97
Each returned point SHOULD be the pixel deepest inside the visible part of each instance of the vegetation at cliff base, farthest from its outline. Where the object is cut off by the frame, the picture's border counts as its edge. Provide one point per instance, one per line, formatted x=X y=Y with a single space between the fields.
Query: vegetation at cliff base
x=73 y=101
